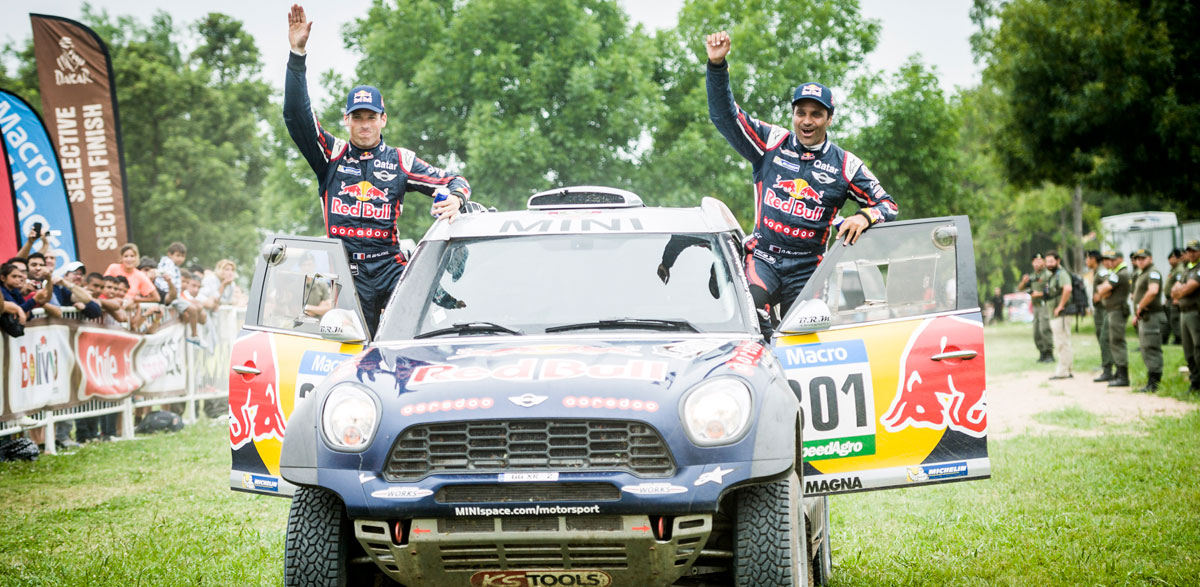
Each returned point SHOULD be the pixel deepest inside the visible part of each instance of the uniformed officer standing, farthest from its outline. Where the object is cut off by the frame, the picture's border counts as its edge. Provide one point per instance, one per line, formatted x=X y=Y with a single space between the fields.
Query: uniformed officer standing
x=1148 y=316
x=1187 y=292
x=1035 y=284
x=1100 y=275
x=1058 y=293
x=1115 y=293
x=1175 y=275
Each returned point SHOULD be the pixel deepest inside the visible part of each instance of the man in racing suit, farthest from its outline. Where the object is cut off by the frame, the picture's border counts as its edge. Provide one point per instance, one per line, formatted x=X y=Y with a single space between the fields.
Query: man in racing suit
x=801 y=180
x=361 y=182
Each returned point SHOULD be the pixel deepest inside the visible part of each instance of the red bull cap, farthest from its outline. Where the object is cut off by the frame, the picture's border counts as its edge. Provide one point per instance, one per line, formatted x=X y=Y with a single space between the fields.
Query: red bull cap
x=364 y=97
x=816 y=92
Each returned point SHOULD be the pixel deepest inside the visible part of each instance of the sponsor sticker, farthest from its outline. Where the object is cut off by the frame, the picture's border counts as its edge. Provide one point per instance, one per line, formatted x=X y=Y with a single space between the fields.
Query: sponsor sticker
x=922 y=473
x=808 y=156
x=832 y=485
x=550 y=349
x=823 y=177
x=653 y=489
x=688 y=349
x=381 y=164
x=384 y=175
x=349 y=170
x=786 y=164
x=549 y=370
x=609 y=403
x=402 y=493
x=260 y=482
x=541 y=578
x=528 y=400
x=716 y=475
x=527 y=477
x=837 y=395
x=823 y=166
x=789 y=153
x=535 y=510
x=447 y=405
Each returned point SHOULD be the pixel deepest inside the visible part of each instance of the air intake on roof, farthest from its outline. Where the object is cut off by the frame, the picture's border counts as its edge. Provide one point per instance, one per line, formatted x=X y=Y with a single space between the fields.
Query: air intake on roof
x=584 y=197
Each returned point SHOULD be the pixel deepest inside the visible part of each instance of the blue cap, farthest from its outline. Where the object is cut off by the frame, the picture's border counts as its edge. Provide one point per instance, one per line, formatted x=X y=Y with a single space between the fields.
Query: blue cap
x=364 y=97
x=814 y=91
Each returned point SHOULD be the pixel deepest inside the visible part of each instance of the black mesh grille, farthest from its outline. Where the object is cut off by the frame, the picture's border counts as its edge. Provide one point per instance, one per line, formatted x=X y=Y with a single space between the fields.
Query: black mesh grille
x=528 y=445
x=527 y=493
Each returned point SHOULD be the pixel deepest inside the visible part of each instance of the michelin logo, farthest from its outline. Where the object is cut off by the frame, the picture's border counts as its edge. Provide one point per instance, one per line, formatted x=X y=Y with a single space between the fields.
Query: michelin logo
x=924 y=473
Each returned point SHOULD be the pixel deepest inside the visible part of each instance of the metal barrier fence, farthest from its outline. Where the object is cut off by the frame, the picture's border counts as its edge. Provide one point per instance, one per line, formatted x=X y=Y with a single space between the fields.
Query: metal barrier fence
x=205 y=366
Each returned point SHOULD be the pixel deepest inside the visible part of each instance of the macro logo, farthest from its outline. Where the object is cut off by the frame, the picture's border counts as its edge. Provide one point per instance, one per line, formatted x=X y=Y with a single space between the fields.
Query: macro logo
x=39 y=364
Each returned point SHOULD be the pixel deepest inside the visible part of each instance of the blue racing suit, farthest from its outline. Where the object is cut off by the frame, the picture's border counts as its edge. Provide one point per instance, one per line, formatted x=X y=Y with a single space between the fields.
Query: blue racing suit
x=798 y=192
x=362 y=192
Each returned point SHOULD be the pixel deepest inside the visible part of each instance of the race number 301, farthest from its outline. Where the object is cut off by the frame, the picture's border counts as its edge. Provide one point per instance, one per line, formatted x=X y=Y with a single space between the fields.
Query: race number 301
x=834 y=380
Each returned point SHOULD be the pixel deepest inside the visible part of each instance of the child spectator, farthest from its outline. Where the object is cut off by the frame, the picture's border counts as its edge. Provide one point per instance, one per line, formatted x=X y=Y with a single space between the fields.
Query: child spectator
x=139 y=287
x=11 y=279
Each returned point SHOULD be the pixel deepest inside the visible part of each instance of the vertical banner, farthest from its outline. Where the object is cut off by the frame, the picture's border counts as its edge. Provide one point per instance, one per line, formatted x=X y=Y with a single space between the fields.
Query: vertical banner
x=80 y=104
x=37 y=181
x=10 y=238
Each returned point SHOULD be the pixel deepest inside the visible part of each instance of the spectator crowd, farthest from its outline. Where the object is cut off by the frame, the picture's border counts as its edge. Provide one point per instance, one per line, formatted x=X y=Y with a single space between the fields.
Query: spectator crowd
x=134 y=292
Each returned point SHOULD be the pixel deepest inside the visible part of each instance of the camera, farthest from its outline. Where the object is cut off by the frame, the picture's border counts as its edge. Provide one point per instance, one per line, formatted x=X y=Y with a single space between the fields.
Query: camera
x=37 y=228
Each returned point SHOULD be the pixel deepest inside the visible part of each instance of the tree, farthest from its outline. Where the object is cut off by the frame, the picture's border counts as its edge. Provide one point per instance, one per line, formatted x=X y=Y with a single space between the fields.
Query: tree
x=775 y=48
x=1102 y=92
x=519 y=95
x=913 y=146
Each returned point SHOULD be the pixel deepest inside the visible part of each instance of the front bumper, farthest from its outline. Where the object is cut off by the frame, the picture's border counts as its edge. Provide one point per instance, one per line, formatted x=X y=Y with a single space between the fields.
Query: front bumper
x=594 y=550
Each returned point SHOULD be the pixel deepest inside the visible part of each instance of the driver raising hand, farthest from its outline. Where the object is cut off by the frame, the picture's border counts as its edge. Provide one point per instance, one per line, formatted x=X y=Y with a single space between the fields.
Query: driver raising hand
x=801 y=180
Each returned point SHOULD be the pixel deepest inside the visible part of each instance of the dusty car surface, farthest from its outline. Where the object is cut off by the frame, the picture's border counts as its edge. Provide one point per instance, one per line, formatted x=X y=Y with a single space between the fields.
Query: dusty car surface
x=579 y=394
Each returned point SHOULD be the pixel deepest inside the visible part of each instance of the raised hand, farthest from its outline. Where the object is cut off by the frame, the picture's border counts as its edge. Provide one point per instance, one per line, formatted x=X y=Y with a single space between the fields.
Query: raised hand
x=717 y=45
x=298 y=28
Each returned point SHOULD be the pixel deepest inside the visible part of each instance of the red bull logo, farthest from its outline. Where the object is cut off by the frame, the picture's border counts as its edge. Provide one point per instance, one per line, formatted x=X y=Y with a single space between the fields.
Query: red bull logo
x=254 y=401
x=940 y=394
x=364 y=191
x=797 y=188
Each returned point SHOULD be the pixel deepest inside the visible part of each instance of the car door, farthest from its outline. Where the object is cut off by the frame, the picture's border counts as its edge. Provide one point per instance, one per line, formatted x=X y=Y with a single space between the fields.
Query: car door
x=302 y=320
x=889 y=361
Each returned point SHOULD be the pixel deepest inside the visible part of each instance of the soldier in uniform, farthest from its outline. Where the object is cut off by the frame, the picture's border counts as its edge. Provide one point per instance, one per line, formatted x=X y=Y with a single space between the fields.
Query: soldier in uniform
x=1114 y=292
x=1100 y=275
x=1058 y=294
x=1175 y=275
x=1148 y=316
x=1035 y=283
x=1187 y=293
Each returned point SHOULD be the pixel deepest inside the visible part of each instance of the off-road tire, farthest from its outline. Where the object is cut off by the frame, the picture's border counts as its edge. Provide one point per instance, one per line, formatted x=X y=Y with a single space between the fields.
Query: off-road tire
x=318 y=534
x=769 y=550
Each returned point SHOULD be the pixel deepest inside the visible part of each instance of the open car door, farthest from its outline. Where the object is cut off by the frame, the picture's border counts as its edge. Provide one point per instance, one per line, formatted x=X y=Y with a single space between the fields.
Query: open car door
x=303 y=319
x=885 y=349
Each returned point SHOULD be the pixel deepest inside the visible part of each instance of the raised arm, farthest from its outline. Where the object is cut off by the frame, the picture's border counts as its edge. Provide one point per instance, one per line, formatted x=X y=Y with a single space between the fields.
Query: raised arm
x=316 y=145
x=748 y=136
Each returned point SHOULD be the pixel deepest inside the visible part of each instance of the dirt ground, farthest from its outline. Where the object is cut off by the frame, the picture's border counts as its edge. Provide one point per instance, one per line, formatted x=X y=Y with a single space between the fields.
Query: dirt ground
x=1014 y=398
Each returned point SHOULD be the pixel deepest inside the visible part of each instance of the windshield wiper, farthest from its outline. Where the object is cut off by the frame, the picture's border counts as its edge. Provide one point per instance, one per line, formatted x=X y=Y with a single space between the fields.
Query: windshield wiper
x=622 y=323
x=469 y=327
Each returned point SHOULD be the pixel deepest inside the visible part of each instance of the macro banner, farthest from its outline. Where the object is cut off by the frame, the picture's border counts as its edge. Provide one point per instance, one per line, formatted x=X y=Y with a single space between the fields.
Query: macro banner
x=37 y=182
x=9 y=238
x=79 y=102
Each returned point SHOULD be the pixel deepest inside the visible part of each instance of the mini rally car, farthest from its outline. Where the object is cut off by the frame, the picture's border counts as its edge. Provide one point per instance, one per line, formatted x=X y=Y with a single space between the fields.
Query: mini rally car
x=579 y=394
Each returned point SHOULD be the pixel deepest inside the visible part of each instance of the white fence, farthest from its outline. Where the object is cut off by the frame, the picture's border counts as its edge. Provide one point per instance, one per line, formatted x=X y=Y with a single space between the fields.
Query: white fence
x=69 y=368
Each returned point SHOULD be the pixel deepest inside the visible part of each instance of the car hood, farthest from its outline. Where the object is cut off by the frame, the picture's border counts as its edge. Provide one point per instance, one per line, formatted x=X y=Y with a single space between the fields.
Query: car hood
x=575 y=372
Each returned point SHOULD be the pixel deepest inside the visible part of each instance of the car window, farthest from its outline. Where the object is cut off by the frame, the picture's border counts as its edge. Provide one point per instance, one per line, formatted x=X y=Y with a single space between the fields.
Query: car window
x=909 y=271
x=529 y=283
x=301 y=288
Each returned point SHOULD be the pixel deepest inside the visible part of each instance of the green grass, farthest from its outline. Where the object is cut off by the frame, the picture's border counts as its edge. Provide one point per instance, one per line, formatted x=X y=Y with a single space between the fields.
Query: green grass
x=1069 y=417
x=1117 y=508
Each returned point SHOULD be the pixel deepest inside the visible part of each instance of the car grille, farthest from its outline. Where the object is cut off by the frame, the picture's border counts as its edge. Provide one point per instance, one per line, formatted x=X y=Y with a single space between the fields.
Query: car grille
x=527 y=493
x=528 y=445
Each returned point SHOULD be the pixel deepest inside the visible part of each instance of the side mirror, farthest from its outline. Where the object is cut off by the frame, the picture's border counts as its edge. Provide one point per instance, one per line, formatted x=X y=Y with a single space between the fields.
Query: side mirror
x=341 y=325
x=273 y=253
x=807 y=316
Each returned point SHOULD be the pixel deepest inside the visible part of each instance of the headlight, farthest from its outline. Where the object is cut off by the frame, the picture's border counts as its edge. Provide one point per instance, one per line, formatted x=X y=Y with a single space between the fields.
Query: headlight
x=349 y=417
x=717 y=412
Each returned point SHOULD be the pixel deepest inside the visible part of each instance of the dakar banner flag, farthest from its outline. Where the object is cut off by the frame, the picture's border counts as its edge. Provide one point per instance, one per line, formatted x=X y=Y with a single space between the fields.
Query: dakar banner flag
x=37 y=182
x=80 y=105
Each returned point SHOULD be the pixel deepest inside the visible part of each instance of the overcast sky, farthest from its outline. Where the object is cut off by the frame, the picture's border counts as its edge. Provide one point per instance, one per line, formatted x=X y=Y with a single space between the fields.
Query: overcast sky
x=937 y=29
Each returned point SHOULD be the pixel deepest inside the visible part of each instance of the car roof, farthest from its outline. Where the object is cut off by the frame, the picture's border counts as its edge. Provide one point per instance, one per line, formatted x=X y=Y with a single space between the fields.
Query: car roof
x=711 y=216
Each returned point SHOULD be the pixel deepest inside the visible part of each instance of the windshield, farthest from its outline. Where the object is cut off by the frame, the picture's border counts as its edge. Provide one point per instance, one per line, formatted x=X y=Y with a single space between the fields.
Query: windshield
x=531 y=283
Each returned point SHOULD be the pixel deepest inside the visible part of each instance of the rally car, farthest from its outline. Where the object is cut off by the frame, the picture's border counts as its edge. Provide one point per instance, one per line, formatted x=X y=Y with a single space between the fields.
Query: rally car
x=580 y=394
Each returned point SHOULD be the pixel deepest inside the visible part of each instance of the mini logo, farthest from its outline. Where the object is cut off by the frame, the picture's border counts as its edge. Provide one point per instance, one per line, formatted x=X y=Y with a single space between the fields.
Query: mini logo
x=384 y=176
x=822 y=177
x=714 y=476
x=528 y=400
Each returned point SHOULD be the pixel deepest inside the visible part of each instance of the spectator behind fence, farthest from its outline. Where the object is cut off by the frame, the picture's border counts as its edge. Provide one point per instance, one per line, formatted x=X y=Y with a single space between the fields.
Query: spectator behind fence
x=23 y=264
x=43 y=288
x=170 y=278
x=114 y=305
x=69 y=290
x=11 y=279
x=139 y=287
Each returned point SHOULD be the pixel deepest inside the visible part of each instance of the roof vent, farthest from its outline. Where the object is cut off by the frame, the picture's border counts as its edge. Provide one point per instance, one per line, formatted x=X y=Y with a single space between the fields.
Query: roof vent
x=578 y=197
